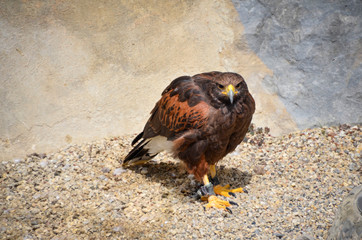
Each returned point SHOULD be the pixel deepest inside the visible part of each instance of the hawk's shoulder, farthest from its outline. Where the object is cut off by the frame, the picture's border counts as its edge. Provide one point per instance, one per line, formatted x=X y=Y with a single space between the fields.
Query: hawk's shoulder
x=182 y=107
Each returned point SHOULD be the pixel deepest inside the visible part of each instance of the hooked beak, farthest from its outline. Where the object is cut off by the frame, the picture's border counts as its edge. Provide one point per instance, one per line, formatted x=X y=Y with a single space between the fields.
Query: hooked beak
x=230 y=91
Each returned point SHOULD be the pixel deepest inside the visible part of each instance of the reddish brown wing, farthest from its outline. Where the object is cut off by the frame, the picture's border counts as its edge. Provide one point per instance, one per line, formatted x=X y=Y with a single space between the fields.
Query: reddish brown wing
x=181 y=108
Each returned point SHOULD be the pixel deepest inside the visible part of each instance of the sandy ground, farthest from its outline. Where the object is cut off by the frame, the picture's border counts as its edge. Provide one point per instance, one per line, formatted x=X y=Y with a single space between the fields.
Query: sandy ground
x=295 y=184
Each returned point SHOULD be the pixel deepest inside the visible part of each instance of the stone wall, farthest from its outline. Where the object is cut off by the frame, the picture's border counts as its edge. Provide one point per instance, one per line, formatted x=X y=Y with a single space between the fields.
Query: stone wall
x=314 y=49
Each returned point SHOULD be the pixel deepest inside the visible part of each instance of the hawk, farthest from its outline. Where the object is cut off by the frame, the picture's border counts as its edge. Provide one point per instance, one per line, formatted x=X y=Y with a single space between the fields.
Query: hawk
x=198 y=119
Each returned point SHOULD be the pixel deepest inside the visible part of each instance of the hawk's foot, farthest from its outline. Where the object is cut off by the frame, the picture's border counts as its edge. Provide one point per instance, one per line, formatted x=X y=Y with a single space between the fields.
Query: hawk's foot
x=215 y=202
x=226 y=191
x=207 y=194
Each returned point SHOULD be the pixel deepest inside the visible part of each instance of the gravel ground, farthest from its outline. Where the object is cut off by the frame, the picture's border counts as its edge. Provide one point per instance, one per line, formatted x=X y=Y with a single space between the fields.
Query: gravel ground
x=295 y=184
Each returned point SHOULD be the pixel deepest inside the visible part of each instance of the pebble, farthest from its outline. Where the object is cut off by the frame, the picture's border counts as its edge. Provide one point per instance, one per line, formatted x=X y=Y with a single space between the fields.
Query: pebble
x=43 y=163
x=102 y=177
x=17 y=160
x=295 y=184
x=259 y=169
x=118 y=171
x=305 y=237
x=106 y=170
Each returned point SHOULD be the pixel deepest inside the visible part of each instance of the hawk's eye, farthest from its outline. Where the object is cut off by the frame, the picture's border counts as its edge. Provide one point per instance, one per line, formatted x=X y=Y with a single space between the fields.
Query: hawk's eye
x=220 y=86
x=239 y=85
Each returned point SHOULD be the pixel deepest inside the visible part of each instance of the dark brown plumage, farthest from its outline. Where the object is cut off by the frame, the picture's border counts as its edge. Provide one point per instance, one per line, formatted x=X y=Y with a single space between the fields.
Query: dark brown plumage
x=199 y=119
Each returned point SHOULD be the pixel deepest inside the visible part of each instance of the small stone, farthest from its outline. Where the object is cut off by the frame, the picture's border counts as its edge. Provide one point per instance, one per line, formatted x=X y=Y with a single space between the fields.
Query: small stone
x=259 y=169
x=43 y=163
x=119 y=171
x=279 y=235
x=117 y=229
x=34 y=223
x=67 y=178
x=305 y=237
x=18 y=160
x=102 y=177
x=352 y=166
x=106 y=170
x=257 y=231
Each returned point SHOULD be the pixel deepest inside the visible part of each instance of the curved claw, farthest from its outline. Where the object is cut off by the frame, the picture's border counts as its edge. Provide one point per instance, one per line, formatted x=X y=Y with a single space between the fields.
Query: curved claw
x=226 y=191
x=229 y=210
x=233 y=203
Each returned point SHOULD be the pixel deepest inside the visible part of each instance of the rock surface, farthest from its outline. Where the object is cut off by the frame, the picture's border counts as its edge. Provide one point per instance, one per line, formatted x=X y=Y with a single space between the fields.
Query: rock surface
x=314 y=49
x=348 y=220
x=80 y=192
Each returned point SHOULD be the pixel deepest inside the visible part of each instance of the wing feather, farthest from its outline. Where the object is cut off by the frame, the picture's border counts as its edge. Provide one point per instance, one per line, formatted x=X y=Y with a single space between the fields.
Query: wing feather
x=181 y=108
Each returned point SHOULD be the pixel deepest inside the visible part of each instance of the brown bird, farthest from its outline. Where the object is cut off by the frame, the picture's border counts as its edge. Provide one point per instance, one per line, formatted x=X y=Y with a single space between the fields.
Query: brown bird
x=198 y=119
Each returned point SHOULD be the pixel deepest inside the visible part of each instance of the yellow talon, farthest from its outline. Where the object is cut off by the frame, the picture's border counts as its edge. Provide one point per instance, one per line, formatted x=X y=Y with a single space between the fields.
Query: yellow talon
x=237 y=190
x=225 y=190
x=217 y=203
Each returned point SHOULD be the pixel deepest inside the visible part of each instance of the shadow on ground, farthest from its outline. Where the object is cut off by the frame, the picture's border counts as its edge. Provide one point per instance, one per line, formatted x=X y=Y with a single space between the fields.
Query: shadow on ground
x=173 y=175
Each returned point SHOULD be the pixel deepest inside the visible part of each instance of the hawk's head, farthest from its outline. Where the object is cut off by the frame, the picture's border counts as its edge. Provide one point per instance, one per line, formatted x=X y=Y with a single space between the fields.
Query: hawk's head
x=228 y=88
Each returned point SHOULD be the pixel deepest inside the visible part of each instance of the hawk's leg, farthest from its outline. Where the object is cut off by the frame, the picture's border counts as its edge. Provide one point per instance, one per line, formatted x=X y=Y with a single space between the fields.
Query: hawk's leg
x=222 y=190
x=213 y=178
x=207 y=194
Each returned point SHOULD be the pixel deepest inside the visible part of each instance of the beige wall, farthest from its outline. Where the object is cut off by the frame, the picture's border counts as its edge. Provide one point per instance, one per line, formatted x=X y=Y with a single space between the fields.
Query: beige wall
x=75 y=71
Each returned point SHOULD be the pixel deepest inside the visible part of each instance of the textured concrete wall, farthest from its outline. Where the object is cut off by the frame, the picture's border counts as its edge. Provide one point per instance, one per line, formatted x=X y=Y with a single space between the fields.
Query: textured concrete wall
x=74 y=71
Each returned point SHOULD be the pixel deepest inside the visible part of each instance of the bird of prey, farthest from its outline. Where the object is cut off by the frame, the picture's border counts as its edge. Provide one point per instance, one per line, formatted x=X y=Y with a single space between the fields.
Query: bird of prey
x=198 y=119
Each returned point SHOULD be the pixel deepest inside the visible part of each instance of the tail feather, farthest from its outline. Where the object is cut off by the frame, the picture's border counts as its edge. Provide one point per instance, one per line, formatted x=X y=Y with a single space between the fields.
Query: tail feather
x=139 y=154
x=146 y=149
x=139 y=136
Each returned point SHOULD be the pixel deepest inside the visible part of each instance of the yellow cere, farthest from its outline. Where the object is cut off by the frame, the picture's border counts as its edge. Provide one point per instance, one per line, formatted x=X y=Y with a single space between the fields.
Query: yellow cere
x=228 y=88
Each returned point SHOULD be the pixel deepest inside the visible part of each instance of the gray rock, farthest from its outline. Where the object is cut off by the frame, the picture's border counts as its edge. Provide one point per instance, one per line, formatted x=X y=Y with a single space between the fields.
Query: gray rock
x=348 y=221
x=119 y=171
x=305 y=237
x=313 y=48
x=18 y=160
x=43 y=163
x=106 y=169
